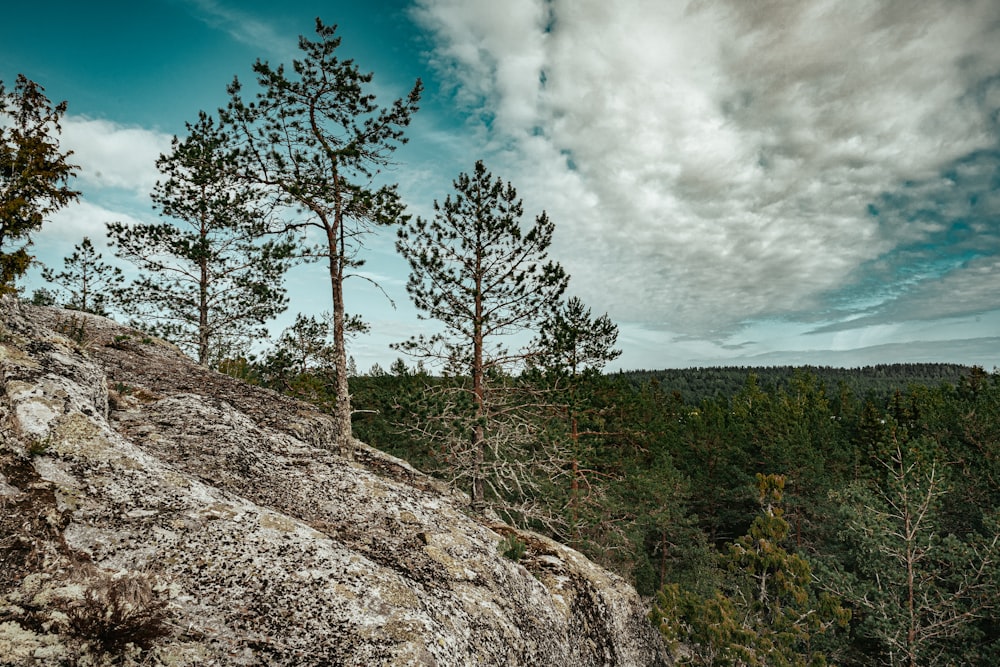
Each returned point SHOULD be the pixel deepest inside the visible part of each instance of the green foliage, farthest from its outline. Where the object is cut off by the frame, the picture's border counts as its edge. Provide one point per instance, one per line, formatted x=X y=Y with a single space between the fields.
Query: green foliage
x=513 y=547
x=208 y=282
x=39 y=446
x=572 y=342
x=90 y=282
x=34 y=174
x=876 y=383
x=43 y=297
x=74 y=328
x=475 y=271
x=920 y=588
x=241 y=368
x=766 y=612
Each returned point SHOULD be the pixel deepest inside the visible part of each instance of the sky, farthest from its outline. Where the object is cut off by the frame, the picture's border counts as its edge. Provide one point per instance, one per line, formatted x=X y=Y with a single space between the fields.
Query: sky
x=734 y=182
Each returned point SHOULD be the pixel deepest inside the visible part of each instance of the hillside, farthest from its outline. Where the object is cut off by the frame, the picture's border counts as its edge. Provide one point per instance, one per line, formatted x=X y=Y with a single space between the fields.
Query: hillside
x=154 y=512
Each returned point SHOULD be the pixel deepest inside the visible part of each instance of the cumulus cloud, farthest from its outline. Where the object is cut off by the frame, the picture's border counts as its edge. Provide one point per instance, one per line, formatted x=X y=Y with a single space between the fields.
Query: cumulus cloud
x=113 y=156
x=715 y=161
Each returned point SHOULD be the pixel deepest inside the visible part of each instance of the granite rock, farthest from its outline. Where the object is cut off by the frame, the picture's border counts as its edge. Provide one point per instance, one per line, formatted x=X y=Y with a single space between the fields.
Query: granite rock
x=243 y=539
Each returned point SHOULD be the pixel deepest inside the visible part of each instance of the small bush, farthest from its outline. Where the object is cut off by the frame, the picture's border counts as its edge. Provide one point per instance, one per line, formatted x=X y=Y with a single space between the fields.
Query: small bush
x=513 y=548
x=74 y=328
x=39 y=446
x=116 y=611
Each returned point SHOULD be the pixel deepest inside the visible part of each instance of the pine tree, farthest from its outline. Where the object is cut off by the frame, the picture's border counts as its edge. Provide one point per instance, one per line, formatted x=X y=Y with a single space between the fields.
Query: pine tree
x=476 y=272
x=208 y=283
x=765 y=614
x=570 y=344
x=314 y=138
x=920 y=589
x=573 y=342
x=90 y=282
x=34 y=174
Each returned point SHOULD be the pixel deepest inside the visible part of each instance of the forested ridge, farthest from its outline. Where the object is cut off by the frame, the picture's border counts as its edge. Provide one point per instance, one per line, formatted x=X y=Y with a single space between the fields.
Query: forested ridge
x=880 y=380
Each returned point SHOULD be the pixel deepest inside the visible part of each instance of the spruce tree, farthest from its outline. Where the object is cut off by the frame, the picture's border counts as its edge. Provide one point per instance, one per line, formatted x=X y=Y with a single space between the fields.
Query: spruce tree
x=314 y=138
x=34 y=173
x=766 y=612
x=208 y=283
x=91 y=283
x=478 y=273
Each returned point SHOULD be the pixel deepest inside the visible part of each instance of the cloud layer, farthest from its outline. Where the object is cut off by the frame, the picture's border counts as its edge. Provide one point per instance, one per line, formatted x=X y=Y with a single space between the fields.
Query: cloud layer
x=713 y=162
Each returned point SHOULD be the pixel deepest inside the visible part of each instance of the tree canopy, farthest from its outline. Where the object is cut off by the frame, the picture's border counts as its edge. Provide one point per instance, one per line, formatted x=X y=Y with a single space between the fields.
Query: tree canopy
x=34 y=173
x=208 y=282
x=91 y=282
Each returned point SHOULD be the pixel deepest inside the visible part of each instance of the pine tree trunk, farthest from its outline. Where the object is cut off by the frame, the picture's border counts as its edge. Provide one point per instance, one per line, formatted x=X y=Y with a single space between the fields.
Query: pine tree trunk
x=575 y=480
x=479 y=392
x=478 y=431
x=342 y=409
x=345 y=440
x=203 y=280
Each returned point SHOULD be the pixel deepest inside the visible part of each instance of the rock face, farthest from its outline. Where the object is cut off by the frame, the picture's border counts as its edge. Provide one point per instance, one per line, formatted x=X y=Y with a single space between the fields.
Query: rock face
x=155 y=512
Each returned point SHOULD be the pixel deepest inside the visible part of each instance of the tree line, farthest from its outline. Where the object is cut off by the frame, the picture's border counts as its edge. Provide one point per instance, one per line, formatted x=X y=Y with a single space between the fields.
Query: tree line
x=878 y=381
x=800 y=519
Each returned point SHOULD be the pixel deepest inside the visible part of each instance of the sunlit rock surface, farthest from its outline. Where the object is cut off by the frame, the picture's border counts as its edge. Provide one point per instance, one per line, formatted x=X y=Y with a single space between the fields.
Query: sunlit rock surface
x=249 y=542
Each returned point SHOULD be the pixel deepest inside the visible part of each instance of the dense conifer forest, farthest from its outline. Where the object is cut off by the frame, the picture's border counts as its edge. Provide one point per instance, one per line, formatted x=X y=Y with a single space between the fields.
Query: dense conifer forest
x=878 y=381
x=857 y=509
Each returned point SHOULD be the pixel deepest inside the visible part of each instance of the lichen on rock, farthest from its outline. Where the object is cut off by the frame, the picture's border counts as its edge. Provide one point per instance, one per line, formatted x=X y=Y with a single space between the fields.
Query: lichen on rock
x=259 y=544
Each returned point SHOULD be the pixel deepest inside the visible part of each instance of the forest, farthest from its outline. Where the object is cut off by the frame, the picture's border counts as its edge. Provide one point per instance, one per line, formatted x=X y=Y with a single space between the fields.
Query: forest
x=772 y=516
x=791 y=517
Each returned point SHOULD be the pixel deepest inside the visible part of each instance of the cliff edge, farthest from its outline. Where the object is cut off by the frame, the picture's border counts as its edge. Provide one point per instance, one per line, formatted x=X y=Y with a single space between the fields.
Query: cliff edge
x=154 y=512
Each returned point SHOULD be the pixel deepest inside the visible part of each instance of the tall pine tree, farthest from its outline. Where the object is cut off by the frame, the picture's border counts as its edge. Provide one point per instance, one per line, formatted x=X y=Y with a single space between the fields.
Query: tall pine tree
x=474 y=270
x=572 y=344
x=314 y=139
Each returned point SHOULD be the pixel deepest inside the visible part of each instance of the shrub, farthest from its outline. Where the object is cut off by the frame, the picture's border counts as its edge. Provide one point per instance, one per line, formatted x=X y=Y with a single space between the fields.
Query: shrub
x=115 y=611
x=513 y=548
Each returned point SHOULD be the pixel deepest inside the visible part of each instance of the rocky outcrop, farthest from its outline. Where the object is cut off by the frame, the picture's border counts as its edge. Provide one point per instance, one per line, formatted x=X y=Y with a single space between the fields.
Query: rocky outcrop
x=155 y=512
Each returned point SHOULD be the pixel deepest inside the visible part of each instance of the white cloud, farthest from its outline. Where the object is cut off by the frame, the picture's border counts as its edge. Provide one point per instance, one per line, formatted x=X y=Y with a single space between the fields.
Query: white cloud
x=113 y=156
x=68 y=226
x=242 y=27
x=494 y=50
x=711 y=162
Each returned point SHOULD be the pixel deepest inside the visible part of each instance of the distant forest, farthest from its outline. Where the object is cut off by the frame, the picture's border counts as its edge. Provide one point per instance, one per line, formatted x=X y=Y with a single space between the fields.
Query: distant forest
x=876 y=382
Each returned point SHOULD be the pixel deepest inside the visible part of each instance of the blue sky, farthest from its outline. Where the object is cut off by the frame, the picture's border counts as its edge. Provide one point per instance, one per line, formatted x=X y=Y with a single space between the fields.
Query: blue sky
x=734 y=183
